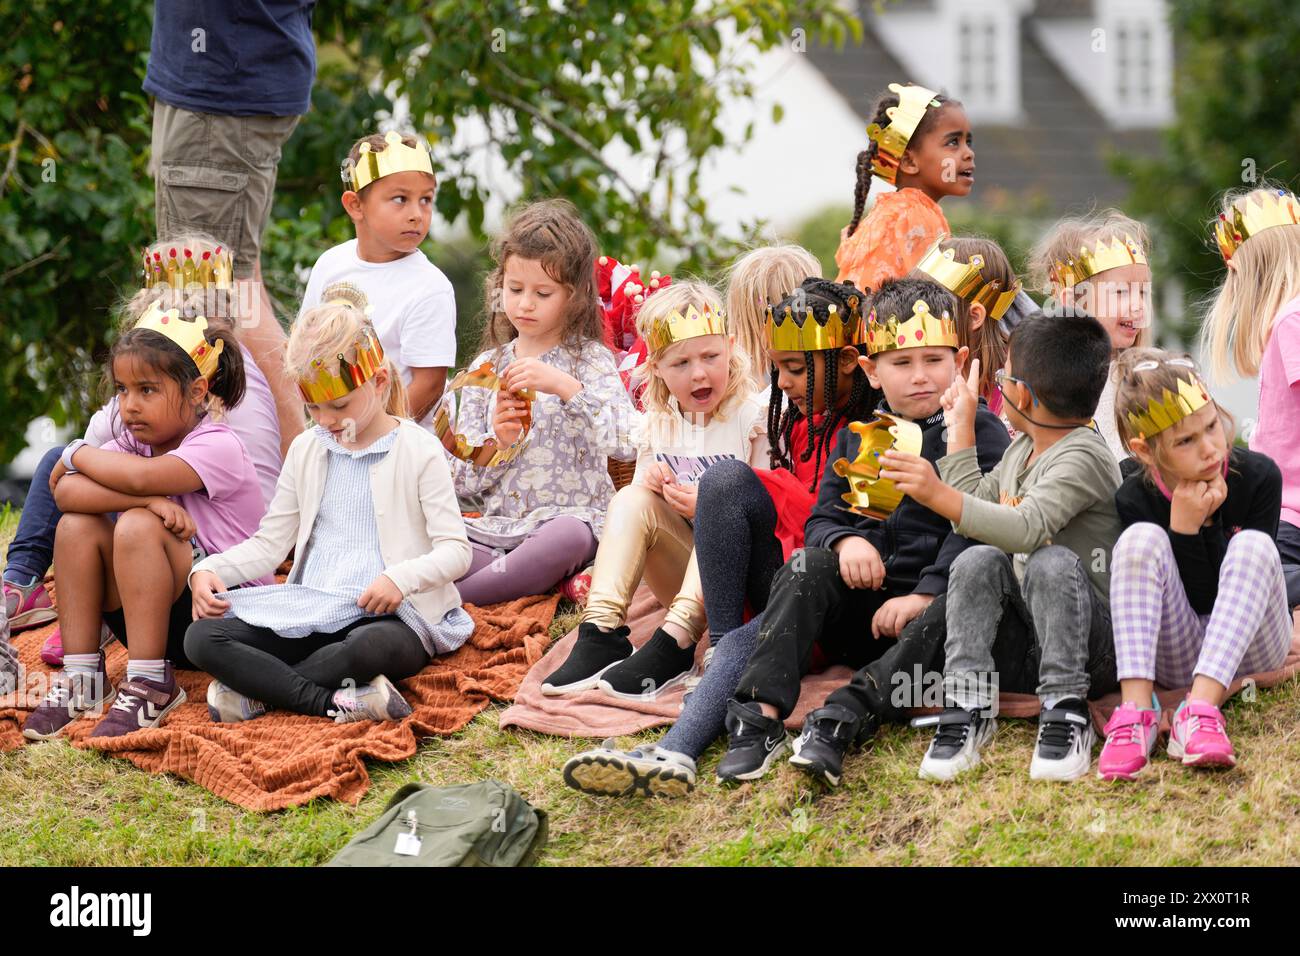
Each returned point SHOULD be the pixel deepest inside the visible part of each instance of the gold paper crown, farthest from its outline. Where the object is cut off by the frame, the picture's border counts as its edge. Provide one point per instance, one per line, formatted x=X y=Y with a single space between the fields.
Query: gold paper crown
x=396 y=157
x=922 y=329
x=446 y=422
x=1107 y=254
x=676 y=327
x=180 y=269
x=785 y=334
x=869 y=494
x=347 y=293
x=1171 y=409
x=187 y=334
x=1250 y=218
x=327 y=385
x=966 y=281
x=892 y=141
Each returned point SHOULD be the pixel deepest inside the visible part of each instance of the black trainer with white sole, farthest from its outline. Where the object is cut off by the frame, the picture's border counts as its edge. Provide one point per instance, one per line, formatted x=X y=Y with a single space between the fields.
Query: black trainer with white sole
x=1065 y=738
x=594 y=652
x=657 y=666
x=756 y=742
x=828 y=734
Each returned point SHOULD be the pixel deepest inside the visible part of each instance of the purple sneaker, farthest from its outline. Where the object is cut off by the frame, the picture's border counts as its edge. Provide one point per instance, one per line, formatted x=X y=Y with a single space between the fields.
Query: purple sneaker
x=70 y=697
x=378 y=700
x=141 y=703
x=28 y=607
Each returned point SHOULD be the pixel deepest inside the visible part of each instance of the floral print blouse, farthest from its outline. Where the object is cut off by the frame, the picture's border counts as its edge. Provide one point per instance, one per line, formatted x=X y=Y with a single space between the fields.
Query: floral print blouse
x=563 y=468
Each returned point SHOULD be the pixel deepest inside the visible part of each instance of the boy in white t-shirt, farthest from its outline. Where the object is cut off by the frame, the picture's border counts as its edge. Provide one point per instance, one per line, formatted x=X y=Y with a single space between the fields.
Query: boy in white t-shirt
x=389 y=196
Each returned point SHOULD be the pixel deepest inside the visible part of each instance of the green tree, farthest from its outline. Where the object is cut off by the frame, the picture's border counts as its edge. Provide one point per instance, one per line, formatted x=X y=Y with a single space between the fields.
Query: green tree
x=552 y=84
x=1237 y=97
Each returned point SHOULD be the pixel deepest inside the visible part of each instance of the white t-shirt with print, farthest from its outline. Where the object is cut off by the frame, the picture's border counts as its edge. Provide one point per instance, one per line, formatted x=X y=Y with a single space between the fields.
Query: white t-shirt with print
x=413 y=304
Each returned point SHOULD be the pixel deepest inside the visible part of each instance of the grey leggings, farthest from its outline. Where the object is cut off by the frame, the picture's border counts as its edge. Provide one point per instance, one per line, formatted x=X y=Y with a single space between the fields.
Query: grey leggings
x=701 y=721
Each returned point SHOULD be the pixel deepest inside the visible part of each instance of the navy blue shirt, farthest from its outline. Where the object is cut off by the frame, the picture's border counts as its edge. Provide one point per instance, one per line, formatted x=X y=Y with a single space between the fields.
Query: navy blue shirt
x=251 y=58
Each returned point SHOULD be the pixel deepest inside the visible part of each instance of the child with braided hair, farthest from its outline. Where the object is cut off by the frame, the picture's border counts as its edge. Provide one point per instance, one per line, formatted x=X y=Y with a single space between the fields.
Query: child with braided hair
x=921 y=142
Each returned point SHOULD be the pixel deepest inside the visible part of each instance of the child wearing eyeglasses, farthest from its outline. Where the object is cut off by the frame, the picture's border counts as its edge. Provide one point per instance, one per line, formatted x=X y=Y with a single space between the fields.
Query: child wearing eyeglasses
x=1196 y=581
x=1028 y=610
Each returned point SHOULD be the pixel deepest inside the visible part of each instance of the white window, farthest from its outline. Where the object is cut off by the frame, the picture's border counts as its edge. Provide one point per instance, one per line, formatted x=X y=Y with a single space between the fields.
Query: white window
x=1135 y=65
x=977 y=59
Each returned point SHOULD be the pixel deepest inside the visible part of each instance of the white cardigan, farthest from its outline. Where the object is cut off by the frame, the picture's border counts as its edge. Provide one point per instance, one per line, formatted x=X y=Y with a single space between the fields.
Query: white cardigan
x=421 y=533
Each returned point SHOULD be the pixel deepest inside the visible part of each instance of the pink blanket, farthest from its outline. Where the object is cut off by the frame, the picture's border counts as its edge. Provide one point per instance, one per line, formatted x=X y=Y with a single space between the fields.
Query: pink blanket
x=593 y=714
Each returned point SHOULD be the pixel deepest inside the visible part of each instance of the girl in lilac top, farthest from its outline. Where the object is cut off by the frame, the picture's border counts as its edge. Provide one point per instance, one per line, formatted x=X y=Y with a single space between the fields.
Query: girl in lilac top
x=180 y=486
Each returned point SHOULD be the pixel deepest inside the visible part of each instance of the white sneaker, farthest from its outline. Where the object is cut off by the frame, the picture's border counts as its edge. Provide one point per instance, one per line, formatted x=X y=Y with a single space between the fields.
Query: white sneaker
x=1065 y=739
x=693 y=680
x=957 y=742
x=379 y=701
x=646 y=771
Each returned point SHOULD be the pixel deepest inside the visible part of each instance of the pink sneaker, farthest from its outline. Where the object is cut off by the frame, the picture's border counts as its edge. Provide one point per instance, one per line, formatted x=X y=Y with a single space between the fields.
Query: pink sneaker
x=52 y=649
x=28 y=607
x=1130 y=738
x=1198 y=738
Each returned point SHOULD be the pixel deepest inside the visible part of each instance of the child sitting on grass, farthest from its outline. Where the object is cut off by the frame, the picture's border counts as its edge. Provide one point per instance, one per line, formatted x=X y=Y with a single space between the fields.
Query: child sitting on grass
x=1031 y=605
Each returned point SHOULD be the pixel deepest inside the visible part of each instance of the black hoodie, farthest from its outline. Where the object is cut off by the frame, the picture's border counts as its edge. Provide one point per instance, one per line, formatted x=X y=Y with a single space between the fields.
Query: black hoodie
x=916 y=545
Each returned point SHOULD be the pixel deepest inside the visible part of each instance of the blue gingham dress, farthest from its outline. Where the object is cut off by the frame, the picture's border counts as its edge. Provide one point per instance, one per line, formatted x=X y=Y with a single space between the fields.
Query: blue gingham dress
x=342 y=558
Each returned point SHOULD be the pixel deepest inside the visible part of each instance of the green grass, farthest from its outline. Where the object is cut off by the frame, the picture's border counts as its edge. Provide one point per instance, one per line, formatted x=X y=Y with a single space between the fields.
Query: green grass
x=67 y=807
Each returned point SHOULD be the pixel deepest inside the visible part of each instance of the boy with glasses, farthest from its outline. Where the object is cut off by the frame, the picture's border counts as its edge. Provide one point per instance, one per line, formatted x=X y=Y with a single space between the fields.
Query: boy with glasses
x=1040 y=580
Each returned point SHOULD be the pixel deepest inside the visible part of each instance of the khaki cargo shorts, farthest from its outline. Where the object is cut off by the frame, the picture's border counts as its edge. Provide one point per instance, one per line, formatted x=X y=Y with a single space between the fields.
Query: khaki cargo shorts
x=216 y=174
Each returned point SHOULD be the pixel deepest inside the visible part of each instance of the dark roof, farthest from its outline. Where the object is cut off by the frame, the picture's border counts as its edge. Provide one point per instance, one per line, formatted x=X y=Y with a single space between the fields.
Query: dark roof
x=1056 y=160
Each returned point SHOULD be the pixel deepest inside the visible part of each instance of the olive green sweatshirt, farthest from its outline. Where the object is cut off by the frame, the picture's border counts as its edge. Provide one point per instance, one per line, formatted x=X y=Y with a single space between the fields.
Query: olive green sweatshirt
x=1066 y=496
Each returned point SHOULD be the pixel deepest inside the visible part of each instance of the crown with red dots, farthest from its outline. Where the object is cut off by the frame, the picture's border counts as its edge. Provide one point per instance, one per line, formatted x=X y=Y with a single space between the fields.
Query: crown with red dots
x=187 y=334
x=180 y=268
x=1251 y=216
x=920 y=329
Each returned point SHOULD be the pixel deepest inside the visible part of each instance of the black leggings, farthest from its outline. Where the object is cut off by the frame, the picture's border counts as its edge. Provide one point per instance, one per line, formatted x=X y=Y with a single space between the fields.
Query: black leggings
x=735 y=544
x=301 y=674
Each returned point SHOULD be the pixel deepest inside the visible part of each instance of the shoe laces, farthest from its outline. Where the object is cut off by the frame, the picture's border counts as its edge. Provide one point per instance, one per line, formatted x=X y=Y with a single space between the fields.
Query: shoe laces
x=1206 y=724
x=952 y=735
x=1057 y=733
x=59 y=695
x=125 y=702
x=1126 y=734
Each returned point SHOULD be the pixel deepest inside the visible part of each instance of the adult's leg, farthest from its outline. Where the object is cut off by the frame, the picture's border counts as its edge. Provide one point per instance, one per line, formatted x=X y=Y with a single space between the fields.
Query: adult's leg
x=258 y=663
x=217 y=174
x=984 y=611
x=372 y=646
x=643 y=536
x=735 y=544
x=559 y=548
x=32 y=550
x=701 y=720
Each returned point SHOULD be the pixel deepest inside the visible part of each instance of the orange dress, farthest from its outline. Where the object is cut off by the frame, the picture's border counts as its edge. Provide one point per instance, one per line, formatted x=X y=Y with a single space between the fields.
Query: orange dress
x=891 y=240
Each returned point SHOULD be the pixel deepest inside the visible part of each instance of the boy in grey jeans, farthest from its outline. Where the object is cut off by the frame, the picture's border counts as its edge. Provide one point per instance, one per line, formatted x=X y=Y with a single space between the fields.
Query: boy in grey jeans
x=1039 y=585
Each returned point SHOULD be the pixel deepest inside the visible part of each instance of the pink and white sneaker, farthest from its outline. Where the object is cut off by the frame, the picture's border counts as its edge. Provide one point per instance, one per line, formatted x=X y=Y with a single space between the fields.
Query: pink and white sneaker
x=1130 y=737
x=1198 y=738
x=29 y=606
x=52 y=649
x=577 y=588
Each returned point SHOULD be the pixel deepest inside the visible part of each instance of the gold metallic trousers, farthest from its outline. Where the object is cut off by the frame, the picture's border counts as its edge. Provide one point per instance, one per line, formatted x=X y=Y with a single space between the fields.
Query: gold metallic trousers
x=644 y=536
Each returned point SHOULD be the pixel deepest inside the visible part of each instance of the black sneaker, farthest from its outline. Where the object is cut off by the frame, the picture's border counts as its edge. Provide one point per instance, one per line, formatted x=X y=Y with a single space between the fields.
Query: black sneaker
x=657 y=666
x=755 y=744
x=958 y=739
x=828 y=733
x=1065 y=739
x=593 y=653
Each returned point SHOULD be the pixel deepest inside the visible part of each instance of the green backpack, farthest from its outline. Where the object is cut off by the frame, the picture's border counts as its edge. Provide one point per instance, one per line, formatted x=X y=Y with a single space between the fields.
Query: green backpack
x=473 y=824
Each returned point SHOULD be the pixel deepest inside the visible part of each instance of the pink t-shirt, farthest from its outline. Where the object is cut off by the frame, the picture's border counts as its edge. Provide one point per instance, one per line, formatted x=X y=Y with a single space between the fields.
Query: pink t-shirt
x=254 y=420
x=229 y=507
x=1279 y=406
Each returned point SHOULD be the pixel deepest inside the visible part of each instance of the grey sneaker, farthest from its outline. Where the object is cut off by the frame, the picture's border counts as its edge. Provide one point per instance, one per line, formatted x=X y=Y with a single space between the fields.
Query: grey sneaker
x=228 y=706
x=647 y=771
x=378 y=700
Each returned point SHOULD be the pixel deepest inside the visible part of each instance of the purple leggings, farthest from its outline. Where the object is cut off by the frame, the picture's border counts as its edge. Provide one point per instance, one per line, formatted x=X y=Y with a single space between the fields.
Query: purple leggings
x=561 y=547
